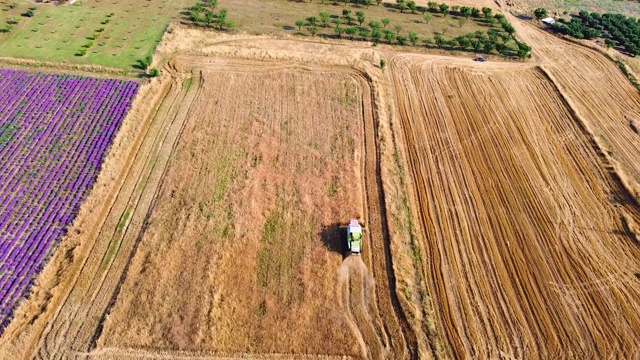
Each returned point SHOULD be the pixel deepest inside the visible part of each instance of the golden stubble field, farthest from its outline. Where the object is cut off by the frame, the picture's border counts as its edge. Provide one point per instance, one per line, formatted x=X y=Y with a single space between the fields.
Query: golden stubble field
x=500 y=201
x=527 y=253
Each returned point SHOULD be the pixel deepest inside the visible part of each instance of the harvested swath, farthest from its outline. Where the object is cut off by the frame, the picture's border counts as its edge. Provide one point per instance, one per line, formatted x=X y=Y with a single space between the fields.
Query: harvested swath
x=54 y=133
x=527 y=254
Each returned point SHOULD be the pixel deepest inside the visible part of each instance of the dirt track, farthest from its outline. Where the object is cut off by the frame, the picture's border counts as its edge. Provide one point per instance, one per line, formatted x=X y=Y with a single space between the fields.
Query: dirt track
x=527 y=253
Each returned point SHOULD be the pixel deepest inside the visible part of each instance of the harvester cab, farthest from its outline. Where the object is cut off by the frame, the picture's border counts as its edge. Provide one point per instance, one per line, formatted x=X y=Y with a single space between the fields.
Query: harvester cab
x=354 y=237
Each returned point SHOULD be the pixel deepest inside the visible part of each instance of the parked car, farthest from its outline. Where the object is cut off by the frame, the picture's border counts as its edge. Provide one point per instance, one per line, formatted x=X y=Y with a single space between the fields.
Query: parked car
x=480 y=58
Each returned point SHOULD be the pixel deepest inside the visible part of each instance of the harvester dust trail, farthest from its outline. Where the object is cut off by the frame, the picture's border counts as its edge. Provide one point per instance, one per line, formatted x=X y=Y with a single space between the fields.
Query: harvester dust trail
x=521 y=216
x=353 y=266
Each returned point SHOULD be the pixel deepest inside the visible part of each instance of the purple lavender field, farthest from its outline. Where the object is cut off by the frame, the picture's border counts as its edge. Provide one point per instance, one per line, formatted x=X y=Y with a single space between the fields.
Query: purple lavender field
x=55 y=131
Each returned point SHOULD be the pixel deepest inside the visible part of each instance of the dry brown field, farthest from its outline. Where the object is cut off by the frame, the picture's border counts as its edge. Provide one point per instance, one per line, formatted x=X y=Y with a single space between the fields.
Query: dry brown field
x=500 y=201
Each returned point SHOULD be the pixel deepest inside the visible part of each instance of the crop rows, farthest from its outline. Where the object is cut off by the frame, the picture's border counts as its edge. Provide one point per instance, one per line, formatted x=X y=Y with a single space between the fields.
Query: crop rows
x=54 y=133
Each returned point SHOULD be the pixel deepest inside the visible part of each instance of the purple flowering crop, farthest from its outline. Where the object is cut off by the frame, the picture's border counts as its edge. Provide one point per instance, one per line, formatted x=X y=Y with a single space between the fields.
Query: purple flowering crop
x=54 y=134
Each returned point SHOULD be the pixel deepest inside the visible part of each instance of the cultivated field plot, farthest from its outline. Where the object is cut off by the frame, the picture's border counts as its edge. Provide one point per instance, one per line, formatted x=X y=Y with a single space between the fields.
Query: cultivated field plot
x=54 y=133
x=125 y=30
x=235 y=236
x=527 y=253
x=231 y=213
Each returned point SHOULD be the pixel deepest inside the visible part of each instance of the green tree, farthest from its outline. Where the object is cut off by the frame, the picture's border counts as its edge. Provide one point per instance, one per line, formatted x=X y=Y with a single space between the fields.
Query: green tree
x=461 y=22
x=212 y=3
x=364 y=33
x=324 y=18
x=313 y=30
x=300 y=23
x=374 y=25
x=487 y=12
x=337 y=21
x=154 y=72
x=444 y=8
x=376 y=34
x=463 y=41
x=439 y=40
x=475 y=12
x=401 y=39
x=402 y=7
x=488 y=46
x=412 y=6
x=312 y=20
x=427 y=17
x=433 y=6
x=540 y=13
x=413 y=37
x=209 y=16
x=382 y=63
x=609 y=43
x=389 y=36
x=351 y=31
x=221 y=21
x=349 y=19
x=346 y=12
x=339 y=31
x=368 y=3
x=476 y=45
x=465 y=11
x=500 y=47
x=508 y=28
x=360 y=16
x=385 y=22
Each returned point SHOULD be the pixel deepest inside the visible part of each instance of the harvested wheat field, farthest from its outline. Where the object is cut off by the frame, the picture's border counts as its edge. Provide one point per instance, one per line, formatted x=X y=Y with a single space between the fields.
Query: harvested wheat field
x=527 y=254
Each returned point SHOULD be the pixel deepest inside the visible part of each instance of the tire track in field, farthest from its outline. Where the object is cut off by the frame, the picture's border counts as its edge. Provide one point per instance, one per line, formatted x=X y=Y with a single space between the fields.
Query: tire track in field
x=68 y=329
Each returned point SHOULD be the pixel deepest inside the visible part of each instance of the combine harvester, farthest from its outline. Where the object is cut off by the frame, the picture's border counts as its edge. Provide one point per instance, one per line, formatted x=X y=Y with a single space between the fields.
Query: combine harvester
x=354 y=237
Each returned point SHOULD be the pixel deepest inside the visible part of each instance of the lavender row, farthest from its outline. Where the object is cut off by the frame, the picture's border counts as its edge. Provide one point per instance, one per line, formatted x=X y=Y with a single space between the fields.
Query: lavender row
x=55 y=131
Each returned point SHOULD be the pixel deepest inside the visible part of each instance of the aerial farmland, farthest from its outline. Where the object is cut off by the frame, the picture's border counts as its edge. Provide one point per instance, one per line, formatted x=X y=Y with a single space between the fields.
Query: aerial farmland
x=177 y=178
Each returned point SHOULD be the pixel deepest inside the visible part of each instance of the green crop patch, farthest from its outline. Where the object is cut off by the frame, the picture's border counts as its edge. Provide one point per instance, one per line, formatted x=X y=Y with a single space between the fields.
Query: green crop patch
x=114 y=34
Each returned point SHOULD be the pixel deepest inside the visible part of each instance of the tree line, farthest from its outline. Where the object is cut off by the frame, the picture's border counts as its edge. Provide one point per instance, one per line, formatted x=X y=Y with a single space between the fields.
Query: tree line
x=204 y=12
x=615 y=29
x=377 y=31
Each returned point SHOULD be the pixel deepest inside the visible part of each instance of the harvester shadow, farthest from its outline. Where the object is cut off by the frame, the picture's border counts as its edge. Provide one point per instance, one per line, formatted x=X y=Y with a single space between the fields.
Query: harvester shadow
x=333 y=237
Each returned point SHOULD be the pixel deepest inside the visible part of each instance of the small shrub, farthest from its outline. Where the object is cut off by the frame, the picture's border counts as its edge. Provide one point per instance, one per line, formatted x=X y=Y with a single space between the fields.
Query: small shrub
x=154 y=72
x=383 y=63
